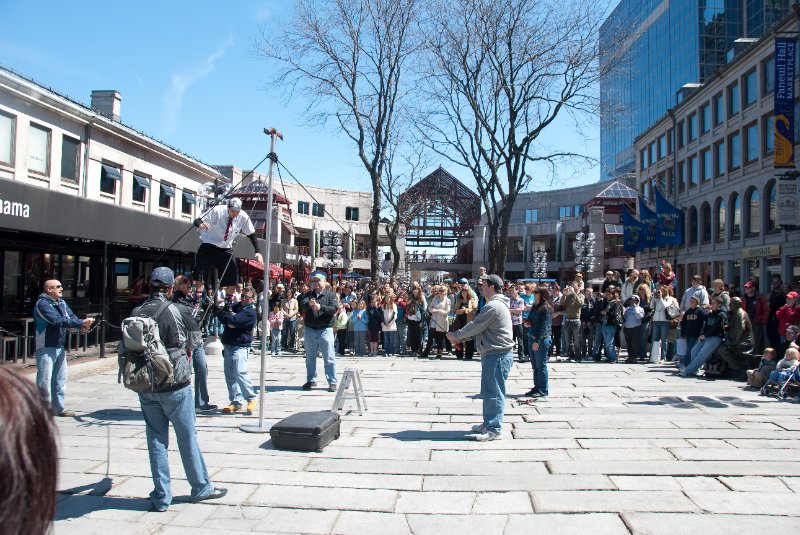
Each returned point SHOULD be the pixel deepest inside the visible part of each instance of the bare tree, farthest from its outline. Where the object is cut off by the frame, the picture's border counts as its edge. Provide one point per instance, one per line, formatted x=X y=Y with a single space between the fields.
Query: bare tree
x=500 y=72
x=349 y=57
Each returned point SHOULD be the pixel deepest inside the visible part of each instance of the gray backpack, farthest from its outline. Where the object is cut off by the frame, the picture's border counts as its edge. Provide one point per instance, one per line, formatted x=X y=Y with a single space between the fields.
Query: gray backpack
x=145 y=365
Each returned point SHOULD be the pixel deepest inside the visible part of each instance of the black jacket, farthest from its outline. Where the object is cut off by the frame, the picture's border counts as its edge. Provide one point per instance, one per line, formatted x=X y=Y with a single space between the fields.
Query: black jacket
x=172 y=329
x=715 y=324
x=322 y=318
x=243 y=319
x=692 y=322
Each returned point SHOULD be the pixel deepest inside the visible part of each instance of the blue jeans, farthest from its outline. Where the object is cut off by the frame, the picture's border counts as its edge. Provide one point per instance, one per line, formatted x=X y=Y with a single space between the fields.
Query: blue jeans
x=701 y=352
x=236 y=377
x=597 y=343
x=660 y=336
x=494 y=372
x=288 y=334
x=275 y=339
x=539 y=364
x=320 y=341
x=609 y=331
x=200 y=365
x=159 y=410
x=51 y=376
x=690 y=343
x=390 y=342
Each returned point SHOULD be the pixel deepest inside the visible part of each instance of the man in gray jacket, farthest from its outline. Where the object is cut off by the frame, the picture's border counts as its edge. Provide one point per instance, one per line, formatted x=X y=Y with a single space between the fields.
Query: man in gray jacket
x=494 y=337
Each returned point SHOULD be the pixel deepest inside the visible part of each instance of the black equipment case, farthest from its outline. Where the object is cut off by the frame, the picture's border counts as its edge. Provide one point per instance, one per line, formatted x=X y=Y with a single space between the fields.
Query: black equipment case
x=306 y=431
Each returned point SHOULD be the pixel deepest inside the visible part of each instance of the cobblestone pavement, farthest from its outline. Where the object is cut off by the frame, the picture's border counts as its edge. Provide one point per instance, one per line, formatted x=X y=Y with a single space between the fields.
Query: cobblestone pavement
x=615 y=449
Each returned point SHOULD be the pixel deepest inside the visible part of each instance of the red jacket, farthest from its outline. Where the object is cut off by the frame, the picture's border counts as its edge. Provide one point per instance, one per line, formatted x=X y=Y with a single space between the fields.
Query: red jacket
x=787 y=316
x=761 y=313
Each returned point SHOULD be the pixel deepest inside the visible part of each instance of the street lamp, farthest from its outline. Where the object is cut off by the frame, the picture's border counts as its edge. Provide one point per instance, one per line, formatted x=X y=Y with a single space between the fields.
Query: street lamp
x=332 y=248
x=539 y=264
x=584 y=252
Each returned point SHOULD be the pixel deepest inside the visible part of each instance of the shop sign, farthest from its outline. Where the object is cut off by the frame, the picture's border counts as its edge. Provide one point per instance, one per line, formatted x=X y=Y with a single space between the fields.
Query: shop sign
x=787 y=202
x=14 y=208
x=761 y=251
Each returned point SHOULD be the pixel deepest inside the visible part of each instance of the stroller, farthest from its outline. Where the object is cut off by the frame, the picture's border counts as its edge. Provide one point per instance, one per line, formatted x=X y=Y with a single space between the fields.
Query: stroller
x=786 y=385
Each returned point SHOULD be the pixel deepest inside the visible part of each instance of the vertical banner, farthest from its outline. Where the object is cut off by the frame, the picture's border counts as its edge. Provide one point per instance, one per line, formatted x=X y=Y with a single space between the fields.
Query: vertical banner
x=649 y=222
x=632 y=232
x=786 y=201
x=559 y=228
x=670 y=222
x=784 y=102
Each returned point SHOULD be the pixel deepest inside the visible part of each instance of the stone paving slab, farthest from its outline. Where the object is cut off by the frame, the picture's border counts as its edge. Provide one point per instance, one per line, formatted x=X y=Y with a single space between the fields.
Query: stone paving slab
x=615 y=450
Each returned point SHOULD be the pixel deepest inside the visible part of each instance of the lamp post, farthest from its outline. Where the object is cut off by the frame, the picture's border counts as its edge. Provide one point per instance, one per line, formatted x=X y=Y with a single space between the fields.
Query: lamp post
x=584 y=252
x=539 y=264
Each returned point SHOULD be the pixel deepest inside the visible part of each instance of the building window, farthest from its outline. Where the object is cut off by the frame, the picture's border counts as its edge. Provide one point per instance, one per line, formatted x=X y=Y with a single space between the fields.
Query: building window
x=39 y=150
x=109 y=176
x=750 y=88
x=682 y=176
x=70 y=152
x=577 y=210
x=751 y=142
x=670 y=141
x=302 y=207
x=753 y=215
x=165 y=196
x=734 y=102
x=719 y=150
x=734 y=152
x=736 y=217
x=719 y=109
x=351 y=213
x=653 y=158
x=662 y=146
x=318 y=210
x=680 y=135
x=720 y=220
x=768 y=76
x=532 y=215
x=691 y=223
x=705 y=218
x=141 y=184
x=693 y=172
x=705 y=116
x=771 y=208
x=187 y=201
x=7 y=135
x=645 y=190
x=708 y=165
x=769 y=134
x=643 y=159
x=691 y=128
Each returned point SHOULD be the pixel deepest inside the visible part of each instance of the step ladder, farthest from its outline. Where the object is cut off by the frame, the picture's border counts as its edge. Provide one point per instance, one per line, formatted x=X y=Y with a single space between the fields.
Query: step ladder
x=351 y=377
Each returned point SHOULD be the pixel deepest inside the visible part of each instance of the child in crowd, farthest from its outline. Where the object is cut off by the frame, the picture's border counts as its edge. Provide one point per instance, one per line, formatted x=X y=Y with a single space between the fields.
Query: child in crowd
x=275 y=320
x=785 y=367
x=340 y=321
x=758 y=377
x=358 y=319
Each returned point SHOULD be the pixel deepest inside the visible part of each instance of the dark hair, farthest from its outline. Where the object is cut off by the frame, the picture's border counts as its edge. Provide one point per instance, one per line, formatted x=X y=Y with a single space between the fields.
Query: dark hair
x=544 y=298
x=28 y=457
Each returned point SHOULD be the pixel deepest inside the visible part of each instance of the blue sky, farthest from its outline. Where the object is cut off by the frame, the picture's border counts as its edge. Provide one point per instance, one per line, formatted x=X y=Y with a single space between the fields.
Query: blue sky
x=189 y=77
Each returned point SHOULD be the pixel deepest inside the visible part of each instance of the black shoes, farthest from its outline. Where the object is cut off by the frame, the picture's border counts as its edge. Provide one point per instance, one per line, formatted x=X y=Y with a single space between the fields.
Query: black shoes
x=207 y=408
x=331 y=387
x=217 y=493
x=309 y=385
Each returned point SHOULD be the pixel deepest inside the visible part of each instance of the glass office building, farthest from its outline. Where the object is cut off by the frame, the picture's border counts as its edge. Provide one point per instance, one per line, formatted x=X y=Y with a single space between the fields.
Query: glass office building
x=650 y=49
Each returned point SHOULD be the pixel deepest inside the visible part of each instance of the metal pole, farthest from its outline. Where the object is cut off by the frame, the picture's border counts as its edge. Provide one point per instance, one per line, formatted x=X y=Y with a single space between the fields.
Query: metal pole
x=264 y=304
x=104 y=310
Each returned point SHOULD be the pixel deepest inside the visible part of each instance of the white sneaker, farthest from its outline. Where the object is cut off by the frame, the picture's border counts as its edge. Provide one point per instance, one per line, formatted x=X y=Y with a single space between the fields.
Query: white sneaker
x=478 y=428
x=487 y=436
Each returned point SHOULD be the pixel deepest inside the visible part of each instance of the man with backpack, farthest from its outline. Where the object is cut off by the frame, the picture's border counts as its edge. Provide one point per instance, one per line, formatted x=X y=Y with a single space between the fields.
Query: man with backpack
x=169 y=397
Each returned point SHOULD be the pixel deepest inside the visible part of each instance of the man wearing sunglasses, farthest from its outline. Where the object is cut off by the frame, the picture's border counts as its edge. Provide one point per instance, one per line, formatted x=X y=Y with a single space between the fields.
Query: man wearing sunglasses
x=52 y=317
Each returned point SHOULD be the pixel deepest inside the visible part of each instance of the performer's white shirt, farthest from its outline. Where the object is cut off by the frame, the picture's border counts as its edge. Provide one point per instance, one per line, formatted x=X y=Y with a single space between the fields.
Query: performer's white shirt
x=217 y=220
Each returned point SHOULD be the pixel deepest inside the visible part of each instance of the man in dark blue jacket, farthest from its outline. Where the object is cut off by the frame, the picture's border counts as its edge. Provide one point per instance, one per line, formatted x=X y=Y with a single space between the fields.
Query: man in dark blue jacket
x=237 y=338
x=52 y=317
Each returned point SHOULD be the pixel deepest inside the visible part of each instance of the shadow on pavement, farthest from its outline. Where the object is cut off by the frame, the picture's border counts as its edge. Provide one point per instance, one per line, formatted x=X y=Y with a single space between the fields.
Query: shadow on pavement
x=414 y=435
x=94 y=489
x=81 y=504
x=692 y=402
x=110 y=415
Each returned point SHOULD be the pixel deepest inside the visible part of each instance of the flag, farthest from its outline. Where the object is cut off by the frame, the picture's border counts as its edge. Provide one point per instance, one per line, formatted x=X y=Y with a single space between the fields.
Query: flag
x=670 y=222
x=783 y=102
x=649 y=222
x=632 y=232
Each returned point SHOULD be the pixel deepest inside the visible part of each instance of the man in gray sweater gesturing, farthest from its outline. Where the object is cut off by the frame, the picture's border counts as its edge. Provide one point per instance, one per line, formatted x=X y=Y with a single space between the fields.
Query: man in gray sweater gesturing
x=494 y=337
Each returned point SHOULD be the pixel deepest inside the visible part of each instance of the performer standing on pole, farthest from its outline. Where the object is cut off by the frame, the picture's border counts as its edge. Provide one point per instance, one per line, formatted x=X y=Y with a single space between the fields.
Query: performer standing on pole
x=221 y=225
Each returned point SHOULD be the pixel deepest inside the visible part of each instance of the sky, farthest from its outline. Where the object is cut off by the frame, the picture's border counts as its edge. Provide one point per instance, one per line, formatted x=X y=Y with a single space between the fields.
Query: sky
x=189 y=77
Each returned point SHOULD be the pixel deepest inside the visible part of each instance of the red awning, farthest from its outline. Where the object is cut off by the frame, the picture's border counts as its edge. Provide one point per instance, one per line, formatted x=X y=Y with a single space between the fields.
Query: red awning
x=251 y=267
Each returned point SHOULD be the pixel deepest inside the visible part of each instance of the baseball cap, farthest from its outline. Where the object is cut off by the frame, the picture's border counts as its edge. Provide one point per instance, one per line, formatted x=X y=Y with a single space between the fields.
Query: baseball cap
x=791 y=295
x=462 y=280
x=494 y=280
x=235 y=204
x=280 y=285
x=319 y=276
x=749 y=284
x=164 y=275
